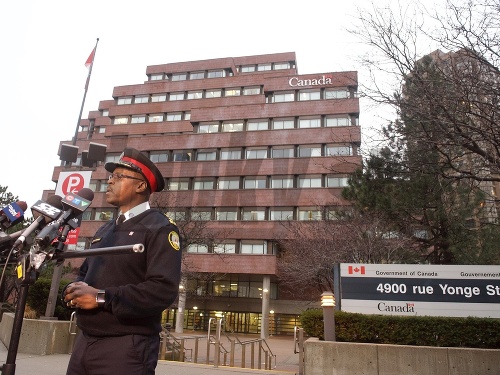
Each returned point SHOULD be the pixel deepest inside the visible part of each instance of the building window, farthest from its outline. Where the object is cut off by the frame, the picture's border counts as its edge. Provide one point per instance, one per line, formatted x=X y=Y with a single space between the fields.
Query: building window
x=225 y=183
x=141 y=99
x=124 y=100
x=120 y=120
x=338 y=150
x=310 y=182
x=101 y=129
x=158 y=156
x=257 y=125
x=112 y=158
x=105 y=112
x=197 y=248
x=208 y=128
x=187 y=116
x=156 y=77
x=232 y=126
x=174 y=96
x=226 y=214
x=256 y=153
x=213 y=93
x=155 y=98
x=179 y=76
x=309 y=95
x=253 y=214
x=206 y=155
x=201 y=215
x=177 y=215
x=283 y=124
x=203 y=184
x=253 y=247
x=196 y=75
x=279 y=66
x=282 y=152
x=138 y=119
x=281 y=213
x=104 y=214
x=337 y=121
x=174 y=116
x=308 y=151
x=278 y=182
x=155 y=118
x=225 y=248
x=248 y=68
x=251 y=90
x=216 y=74
x=309 y=123
x=254 y=183
x=306 y=214
x=263 y=67
x=178 y=184
x=283 y=97
x=332 y=181
x=336 y=94
x=181 y=156
x=230 y=154
x=195 y=95
x=232 y=92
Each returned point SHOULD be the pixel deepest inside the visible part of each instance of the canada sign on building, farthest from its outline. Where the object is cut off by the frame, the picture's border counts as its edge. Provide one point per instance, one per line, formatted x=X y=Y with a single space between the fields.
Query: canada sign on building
x=415 y=289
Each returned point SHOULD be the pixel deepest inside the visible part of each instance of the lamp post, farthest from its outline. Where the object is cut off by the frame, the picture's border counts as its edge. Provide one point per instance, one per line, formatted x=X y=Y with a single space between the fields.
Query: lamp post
x=328 y=305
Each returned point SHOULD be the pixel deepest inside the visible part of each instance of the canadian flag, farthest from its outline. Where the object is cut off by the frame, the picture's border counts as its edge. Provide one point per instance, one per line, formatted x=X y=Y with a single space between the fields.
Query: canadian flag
x=90 y=60
x=356 y=269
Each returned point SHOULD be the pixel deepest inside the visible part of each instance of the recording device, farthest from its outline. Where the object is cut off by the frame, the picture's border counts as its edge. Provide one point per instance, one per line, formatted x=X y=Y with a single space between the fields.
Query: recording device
x=74 y=205
x=12 y=214
x=43 y=212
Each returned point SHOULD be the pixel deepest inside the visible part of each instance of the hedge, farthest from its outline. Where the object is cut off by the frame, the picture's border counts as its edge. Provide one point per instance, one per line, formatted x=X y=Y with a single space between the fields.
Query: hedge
x=407 y=330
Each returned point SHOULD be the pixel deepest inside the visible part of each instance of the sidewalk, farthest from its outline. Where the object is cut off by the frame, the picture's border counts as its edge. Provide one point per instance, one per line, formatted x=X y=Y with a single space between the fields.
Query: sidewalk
x=287 y=363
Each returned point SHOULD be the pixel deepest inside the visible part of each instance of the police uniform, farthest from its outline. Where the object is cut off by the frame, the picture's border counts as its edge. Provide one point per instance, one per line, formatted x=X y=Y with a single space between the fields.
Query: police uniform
x=121 y=336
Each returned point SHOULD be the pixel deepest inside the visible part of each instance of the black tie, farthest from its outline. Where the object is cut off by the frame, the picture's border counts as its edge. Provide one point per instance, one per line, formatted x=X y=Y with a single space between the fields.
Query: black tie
x=120 y=219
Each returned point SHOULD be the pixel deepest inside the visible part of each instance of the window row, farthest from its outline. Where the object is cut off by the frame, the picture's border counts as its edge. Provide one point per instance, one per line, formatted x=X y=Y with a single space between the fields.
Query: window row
x=218 y=73
x=154 y=117
x=279 y=123
x=229 y=214
x=189 y=95
x=230 y=286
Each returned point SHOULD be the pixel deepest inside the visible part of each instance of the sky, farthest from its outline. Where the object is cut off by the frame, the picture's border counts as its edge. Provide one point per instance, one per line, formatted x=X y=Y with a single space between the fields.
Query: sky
x=45 y=45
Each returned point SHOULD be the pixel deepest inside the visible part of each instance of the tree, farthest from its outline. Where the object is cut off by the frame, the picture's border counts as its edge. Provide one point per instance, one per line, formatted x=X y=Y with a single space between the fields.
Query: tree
x=309 y=249
x=452 y=98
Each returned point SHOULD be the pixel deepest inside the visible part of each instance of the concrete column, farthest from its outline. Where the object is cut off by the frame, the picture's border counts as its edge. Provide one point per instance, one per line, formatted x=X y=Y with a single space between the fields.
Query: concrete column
x=264 y=323
x=181 y=306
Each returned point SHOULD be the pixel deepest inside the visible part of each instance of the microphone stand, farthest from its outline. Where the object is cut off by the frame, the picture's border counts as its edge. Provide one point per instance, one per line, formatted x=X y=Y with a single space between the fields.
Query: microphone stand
x=30 y=276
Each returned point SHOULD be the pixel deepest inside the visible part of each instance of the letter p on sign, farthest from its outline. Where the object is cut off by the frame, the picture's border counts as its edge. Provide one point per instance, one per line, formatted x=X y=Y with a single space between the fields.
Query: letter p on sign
x=72 y=182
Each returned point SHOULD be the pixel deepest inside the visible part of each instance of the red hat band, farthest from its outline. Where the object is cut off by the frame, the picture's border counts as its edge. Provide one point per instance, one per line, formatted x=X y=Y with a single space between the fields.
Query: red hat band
x=145 y=171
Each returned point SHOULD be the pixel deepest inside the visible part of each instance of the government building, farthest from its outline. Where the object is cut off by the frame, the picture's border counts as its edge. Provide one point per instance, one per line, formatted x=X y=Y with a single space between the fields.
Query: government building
x=244 y=143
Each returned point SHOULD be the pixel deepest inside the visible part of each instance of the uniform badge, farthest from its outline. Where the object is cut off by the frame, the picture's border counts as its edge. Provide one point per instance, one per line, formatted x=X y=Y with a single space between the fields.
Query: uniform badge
x=173 y=238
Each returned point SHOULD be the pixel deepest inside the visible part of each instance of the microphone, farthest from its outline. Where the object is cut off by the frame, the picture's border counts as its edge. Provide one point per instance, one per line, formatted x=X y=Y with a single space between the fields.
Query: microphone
x=74 y=205
x=12 y=214
x=46 y=211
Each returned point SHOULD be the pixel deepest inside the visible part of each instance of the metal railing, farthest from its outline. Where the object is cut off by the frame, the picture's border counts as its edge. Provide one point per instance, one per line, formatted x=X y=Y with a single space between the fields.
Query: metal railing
x=298 y=339
x=174 y=347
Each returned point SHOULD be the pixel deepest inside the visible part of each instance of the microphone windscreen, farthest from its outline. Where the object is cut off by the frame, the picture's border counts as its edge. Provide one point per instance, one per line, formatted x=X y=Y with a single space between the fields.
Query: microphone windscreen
x=86 y=193
x=22 y=205
x=55 y=201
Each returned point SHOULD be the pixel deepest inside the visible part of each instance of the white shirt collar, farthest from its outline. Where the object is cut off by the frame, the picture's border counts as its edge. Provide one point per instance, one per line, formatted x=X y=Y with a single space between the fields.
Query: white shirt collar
x=134 y=211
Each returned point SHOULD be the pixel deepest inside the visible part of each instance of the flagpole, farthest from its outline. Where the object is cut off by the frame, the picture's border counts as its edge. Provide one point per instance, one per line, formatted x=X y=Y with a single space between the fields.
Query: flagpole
x=85 y=93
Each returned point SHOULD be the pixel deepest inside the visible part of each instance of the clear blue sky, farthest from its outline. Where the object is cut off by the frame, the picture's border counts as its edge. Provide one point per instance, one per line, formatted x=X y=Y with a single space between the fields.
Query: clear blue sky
x=45 y=45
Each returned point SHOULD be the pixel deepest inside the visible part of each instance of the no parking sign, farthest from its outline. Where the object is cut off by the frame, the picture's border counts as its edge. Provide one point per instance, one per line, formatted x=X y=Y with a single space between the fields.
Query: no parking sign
x=72 y=183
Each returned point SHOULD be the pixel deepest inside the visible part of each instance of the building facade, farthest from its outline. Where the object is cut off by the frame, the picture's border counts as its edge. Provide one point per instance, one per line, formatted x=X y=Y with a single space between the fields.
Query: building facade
x=243 y=143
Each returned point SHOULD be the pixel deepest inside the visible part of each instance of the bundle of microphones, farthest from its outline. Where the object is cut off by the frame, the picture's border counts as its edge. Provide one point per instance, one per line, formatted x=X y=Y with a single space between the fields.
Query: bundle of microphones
x=52 y=222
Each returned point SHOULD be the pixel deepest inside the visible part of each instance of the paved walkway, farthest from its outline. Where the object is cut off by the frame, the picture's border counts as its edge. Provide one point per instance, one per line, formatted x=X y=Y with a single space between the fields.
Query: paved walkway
x=287 y=363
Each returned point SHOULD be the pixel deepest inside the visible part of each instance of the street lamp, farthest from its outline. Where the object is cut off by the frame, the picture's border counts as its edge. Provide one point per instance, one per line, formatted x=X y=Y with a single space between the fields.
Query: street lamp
x=328 y=305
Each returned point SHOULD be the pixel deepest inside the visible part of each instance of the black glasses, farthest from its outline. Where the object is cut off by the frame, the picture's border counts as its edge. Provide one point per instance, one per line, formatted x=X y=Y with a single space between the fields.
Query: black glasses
x=119 y=176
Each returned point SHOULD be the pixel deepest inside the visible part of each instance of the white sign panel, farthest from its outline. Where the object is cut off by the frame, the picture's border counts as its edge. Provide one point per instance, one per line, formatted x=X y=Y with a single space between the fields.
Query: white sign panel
x=415 y=289
x=72 y=182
